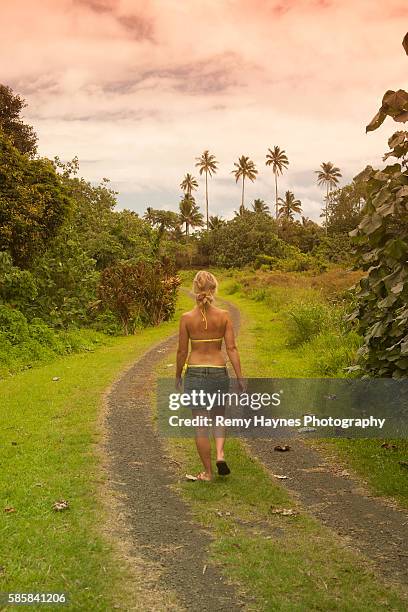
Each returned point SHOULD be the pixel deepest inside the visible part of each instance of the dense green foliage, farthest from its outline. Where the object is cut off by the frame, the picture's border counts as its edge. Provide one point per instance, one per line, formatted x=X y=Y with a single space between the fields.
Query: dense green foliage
x=382 y=310
x=140 y=294
x=59 y=236
x=34 y=203
x=382 y=245
x=24 y=344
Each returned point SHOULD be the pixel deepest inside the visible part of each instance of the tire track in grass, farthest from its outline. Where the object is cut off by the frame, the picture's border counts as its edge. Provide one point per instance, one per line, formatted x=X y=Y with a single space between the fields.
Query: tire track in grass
x=161 y=527
x=374 y=526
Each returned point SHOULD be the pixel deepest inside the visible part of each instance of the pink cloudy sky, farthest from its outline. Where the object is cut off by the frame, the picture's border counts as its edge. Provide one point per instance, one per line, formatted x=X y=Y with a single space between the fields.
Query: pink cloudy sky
x=138 y=89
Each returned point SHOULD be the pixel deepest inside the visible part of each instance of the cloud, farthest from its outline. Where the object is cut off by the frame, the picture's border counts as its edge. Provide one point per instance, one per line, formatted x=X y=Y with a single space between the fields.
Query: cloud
x=98 y=6
x=142 y=88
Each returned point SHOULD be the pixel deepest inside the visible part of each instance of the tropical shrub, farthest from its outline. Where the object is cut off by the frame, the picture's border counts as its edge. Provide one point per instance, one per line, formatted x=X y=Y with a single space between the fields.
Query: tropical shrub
x=24 y=345
x=17 y=287
x=66 y=281
x=382 y=249
x=237 y=243
x=13 y=325
x=291 y=260
x=138 y=293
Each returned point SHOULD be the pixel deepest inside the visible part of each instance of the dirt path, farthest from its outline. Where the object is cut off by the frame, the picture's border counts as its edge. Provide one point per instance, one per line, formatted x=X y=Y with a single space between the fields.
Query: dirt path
x=370 y=524
x=162 y=530
x=161 y=527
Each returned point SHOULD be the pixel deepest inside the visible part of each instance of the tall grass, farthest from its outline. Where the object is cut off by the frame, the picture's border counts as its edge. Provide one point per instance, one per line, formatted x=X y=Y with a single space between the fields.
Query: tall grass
x=314 y=315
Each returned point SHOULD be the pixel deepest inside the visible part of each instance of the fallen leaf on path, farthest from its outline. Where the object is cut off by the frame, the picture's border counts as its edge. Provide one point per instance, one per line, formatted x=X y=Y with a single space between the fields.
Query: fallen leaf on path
x=9 y=509
x=60 y=505
x=204 y=569
x=281 y=476
x=190 y=477
x=285 y=511
x=170 y=365
x=56 y=378
x=282 y=449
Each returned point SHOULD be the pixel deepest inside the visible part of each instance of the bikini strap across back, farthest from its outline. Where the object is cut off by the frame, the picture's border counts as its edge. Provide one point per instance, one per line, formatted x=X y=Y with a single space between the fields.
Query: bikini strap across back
x=205 y=339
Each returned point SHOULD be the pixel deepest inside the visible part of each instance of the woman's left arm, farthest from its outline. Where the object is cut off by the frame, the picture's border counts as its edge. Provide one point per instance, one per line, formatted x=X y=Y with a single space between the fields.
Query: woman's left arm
x=182 y=350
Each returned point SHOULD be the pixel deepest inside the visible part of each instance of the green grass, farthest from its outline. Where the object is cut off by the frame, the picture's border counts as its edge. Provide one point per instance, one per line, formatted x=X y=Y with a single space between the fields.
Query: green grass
x=49 y=435
x=263 y=341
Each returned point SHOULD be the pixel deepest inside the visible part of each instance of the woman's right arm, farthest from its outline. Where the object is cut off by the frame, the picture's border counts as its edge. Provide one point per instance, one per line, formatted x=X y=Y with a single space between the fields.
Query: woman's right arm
x=232 y=351
x=182 y=350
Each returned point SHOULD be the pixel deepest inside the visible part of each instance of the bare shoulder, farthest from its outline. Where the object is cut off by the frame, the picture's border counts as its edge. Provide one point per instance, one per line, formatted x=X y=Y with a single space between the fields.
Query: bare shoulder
x=186 y=315
x=225 y=313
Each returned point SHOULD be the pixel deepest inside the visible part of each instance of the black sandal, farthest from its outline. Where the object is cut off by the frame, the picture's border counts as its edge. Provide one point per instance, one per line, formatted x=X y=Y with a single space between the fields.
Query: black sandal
x=222 y=467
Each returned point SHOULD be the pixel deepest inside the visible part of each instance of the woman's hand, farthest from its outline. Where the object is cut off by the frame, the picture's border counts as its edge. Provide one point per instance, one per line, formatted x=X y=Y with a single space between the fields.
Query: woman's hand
x=179 y=383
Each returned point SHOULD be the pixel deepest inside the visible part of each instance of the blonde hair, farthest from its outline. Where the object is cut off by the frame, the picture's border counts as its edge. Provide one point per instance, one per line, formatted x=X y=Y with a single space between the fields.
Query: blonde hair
x=205 y=287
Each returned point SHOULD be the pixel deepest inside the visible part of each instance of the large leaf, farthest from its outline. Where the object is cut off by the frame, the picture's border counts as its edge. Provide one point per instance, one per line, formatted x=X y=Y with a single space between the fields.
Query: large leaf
x=387 y=208
x=394 y=102
x=401 y=117
x=376 y=121
x=405 y=43
x=364 y=175
x=398 y=288
x=397 y=138
x=396 y=248
x=371 y=223
x=403 y=192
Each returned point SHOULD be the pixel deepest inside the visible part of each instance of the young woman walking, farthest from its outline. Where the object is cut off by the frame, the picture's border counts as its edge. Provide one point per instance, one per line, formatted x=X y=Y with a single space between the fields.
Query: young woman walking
x=205 y=327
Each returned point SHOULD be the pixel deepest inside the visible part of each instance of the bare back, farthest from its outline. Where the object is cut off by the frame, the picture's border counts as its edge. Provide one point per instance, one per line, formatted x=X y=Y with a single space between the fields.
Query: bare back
x=206 y=343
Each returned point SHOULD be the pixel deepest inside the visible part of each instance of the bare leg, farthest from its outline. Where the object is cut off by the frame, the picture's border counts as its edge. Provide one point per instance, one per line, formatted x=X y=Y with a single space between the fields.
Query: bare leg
x=203 y=445
x=219 y=437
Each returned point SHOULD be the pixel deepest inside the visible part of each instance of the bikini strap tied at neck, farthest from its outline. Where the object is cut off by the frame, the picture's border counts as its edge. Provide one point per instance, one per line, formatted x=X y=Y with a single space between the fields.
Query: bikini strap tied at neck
x=204 y=316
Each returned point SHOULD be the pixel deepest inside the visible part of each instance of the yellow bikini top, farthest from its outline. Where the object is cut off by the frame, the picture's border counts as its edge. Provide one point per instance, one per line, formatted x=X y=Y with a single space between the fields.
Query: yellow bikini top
x=205 y=339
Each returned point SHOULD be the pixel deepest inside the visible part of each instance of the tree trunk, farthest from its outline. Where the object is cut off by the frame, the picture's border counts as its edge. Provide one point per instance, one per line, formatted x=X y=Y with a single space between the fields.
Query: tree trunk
x=326 y=208
x=206 y=196
x=276 y=196
x=242 y=198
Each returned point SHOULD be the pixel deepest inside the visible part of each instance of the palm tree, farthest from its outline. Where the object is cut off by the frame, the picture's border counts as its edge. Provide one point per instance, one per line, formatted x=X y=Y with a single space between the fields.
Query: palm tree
x=290 y=206
x=216 y=222
x=207 y=164
x=327 y=176
x=245 y=168
x=190 y=213
x=242 y=210
x=189 y=184
x=277 y=158
x=260 y=206
x=149 y=215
